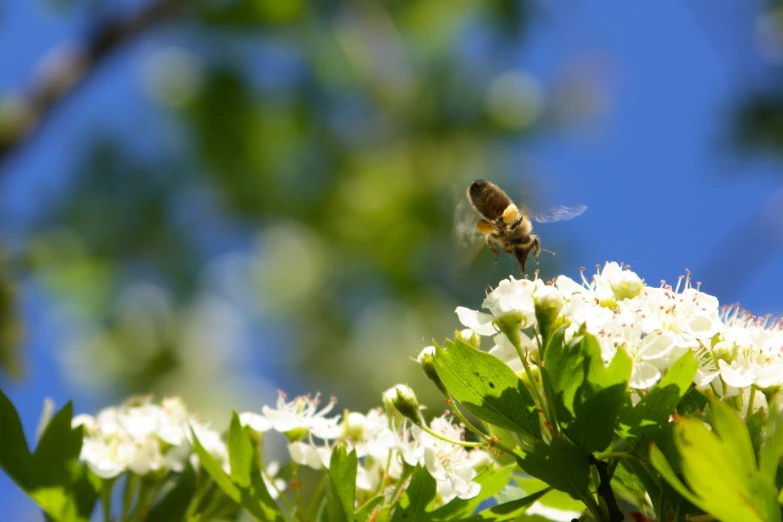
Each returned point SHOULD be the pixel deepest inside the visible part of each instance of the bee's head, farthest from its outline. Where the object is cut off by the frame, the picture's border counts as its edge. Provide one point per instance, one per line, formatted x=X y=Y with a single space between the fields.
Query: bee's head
x=521 y=253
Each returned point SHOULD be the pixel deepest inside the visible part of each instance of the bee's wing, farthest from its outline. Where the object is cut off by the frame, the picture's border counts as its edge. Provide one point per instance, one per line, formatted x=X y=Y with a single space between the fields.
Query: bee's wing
x=561 y=213
x=466 y=235
x=467 y=240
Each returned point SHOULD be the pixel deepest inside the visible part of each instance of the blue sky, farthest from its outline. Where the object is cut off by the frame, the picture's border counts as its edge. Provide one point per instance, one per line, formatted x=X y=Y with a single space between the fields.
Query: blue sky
x=663 y=191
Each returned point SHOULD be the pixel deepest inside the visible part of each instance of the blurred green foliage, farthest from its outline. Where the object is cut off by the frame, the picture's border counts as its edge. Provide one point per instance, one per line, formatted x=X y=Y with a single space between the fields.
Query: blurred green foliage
x=319 y=148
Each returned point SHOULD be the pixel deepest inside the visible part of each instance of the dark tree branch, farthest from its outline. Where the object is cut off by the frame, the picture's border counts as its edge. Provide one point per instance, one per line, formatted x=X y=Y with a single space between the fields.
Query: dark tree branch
x=66 y=67
x=605 y=490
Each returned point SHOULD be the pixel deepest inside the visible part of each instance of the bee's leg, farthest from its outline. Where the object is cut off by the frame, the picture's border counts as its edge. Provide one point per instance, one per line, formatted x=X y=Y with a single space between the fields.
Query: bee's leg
x=494 y=249
x=536 y=248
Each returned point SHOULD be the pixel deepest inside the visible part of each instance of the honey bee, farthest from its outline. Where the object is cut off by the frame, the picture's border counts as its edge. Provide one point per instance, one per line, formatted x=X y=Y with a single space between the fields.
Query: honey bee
x=504 y=225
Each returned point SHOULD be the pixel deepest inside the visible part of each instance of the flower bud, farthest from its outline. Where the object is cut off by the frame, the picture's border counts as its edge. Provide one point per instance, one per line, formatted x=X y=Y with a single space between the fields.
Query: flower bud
x=626 y=285
x=468 y=336
x=535 y=373
x=725 y=350
x=426 y=360
x=402 y=399
x=548 y=302
x=353 y=425
x=297 y=434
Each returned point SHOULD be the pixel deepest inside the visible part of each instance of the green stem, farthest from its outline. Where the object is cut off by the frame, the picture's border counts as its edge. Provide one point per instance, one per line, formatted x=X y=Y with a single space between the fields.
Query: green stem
x=398 y=489
x=385 y=481
x=202 y=486
x=296 y=486
x=453 y=403
x=131 y=483
x=318 y=493
x=270 y=480
x=751 y=398
x=446 y=439
x=143 y=500
x=490 y=440
x=512 y=334
x=106 y=487
x=616 y=455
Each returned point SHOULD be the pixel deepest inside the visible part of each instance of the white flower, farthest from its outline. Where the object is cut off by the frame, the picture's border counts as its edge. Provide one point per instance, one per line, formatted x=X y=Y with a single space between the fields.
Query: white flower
x=549 y=297
x=107 y=459
x=255 y=421
x=211 y=441
x=626 y=285
x=513 y=295
x=275 y=486
x=478 y=322
x=296 y=418
x=614 y=282
x=142 y=437
x=307 y=454
x=451 y=465
x=370 y=435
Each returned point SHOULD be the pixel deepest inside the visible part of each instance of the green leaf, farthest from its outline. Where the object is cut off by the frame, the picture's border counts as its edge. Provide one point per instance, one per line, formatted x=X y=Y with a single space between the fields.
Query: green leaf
x=728 y=425
x=757 y=425
x=718 y=482
x=661 y=465
x=628 y=486
x=174 y=505
x=603 y=395
x=772 y=449
x=57 y=450
x=56 y=470
x=508 y=510
x=15 y=457
x=656 y=407
x=342 y=484
x=365 y=511
x=563 y=373
x=693 y=402
x=418 y=495
x=51 y=476
x=588 y=397
x=487 y=387
x=240 y=452
x=492 y=481
x=254 y=499
x=561 y=464
x=260 y=492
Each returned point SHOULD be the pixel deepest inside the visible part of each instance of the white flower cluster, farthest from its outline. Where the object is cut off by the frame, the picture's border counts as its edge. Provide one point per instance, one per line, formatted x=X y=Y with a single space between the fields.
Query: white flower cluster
x=655 y=325
x=383 y=442
x=142 y=437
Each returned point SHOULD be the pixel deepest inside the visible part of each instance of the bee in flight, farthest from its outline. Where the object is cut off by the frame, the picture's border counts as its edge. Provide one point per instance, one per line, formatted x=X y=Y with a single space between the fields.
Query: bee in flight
x=504 y=225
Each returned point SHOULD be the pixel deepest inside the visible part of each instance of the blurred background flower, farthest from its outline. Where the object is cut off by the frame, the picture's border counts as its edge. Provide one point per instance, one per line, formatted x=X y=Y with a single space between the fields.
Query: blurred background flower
x=217 y=199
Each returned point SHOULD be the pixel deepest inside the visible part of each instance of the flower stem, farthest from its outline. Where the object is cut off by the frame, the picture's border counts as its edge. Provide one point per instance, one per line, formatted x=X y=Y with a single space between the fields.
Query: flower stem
x=490 y=440
x=451 y=402
x=512 y=334
x=317 y=495
x=202 y=487
x=446 y=439
x=751 y=398
x=397 y=490
x=131 y=483
x=106 y=488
